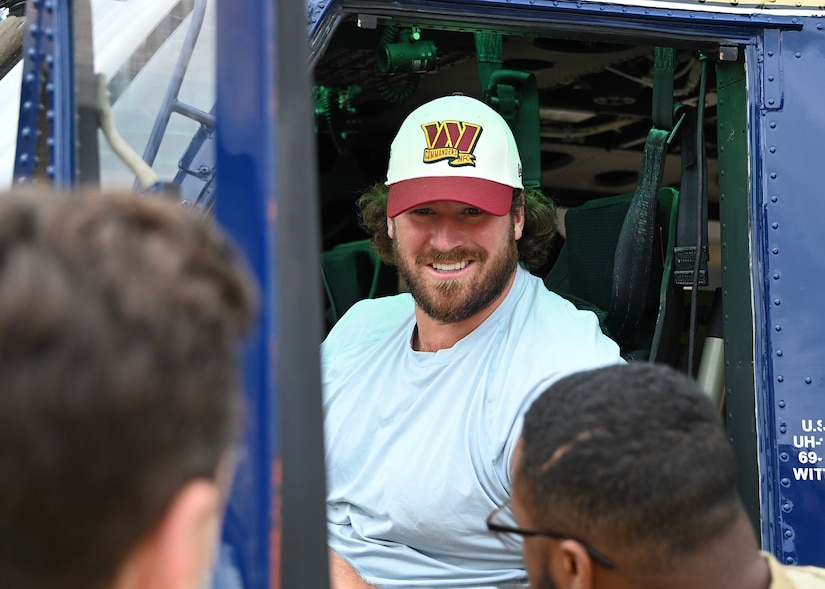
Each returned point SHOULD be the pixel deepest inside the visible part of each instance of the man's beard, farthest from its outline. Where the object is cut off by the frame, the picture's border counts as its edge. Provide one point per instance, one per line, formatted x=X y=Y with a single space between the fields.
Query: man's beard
x=450 y=301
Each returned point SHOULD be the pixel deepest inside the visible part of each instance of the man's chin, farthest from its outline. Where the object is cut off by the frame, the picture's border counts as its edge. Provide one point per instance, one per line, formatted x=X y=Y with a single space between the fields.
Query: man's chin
x=450 y=287
x=444 y=313
x=444 y=306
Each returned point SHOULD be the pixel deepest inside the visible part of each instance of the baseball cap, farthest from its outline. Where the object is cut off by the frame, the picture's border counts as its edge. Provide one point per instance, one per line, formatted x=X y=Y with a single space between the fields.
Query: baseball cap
x=453 y=148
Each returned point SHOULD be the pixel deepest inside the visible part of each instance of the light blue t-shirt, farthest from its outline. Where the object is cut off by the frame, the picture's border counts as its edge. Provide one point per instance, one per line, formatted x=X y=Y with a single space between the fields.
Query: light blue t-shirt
x=418 y=444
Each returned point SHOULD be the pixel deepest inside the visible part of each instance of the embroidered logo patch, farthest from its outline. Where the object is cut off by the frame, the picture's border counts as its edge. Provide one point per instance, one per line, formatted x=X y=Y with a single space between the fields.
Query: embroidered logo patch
x=451 y=140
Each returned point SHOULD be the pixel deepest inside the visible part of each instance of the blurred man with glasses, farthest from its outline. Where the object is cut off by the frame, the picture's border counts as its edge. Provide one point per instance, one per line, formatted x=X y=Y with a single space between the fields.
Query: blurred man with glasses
x=624 y=477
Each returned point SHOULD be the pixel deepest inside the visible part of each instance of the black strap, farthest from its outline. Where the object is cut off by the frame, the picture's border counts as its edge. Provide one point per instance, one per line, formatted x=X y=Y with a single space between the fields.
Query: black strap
x=634 y=250
x=664 y=59
x=692 y=229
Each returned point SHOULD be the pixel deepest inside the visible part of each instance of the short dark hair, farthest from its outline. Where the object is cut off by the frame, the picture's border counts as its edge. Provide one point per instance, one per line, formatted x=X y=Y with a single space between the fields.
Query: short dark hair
x=120 y=321
x=533 y=247
x=631 y=457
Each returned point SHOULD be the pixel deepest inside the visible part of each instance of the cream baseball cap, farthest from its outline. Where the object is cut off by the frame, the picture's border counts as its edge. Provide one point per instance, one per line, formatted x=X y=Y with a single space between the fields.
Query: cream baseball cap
x=453 y=148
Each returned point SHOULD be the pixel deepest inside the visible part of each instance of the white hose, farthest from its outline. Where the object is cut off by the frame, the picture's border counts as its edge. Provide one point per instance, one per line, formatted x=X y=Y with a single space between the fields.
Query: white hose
x=146 y=176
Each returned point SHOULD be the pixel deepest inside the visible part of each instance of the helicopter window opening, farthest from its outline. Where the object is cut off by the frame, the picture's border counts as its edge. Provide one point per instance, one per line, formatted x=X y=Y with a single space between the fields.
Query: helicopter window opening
x=596 y=100
x=139 y=84
x=595 y=105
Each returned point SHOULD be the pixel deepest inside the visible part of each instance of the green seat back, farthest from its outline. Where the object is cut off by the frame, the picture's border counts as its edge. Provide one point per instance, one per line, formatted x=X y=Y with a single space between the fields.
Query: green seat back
x=351 y=272
x=584 y=270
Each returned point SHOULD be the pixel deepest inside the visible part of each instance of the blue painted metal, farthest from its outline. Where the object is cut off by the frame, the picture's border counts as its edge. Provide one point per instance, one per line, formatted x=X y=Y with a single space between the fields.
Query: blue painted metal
x=61 y=103
x=48 y=91
x=317 y=11
x=677 y=23
x=267 y=200
x=246 y=160
x=787 y=135
x=788 y=216
x=763 y=389
x=772 y=94
x=196 y=171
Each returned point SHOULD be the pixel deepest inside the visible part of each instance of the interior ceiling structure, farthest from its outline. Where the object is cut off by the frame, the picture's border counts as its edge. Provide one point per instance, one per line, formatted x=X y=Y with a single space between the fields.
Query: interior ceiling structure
x=595 y=107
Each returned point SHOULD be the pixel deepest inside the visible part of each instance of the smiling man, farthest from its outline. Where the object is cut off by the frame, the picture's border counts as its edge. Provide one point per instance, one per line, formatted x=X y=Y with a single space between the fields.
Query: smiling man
x=424 y=391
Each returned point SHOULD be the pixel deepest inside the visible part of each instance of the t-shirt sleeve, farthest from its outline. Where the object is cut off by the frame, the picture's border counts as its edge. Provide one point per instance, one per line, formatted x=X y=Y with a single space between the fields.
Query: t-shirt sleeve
x=362 y=327
x=573 y=342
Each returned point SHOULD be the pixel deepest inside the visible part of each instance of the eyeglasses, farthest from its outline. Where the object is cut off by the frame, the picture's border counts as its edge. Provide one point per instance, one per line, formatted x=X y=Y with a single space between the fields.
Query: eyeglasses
x=495 y=526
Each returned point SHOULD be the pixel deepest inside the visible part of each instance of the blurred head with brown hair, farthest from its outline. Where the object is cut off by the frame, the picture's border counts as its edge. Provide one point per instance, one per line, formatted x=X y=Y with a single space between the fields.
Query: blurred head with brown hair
x=120 y=322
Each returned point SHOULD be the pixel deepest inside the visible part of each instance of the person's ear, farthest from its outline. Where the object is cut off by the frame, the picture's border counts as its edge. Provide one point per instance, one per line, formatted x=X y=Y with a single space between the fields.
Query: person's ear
x=574 y=566
x=179 y=552
x=390 y=228
x=518 y=218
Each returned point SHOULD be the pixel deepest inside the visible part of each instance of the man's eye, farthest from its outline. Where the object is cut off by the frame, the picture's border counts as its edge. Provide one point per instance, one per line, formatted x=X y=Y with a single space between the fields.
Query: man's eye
x=473 y=211
x=423 y=211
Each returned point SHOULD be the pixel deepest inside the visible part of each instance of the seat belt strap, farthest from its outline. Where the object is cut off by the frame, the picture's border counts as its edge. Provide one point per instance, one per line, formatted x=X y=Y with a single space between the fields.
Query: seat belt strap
x=692 y=227
x=630 y=278
x=664 y=59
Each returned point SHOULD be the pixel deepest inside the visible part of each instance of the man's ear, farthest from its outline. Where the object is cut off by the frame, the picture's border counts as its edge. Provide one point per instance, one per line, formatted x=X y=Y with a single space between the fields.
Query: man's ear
x=519 y=217
x=179 y=552
x=575 y=568
x=390 y=228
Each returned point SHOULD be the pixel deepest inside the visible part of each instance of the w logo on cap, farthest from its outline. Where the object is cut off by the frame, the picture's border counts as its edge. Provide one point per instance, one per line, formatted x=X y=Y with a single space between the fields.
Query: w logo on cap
x=451 y=140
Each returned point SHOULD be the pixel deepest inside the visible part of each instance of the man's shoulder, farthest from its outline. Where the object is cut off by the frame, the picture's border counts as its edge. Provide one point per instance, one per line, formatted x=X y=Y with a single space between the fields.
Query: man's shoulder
x=371 y=320
x=538 y=295
x=547 y=323
x=547 y=308
x=390 y=307
x=794 y=577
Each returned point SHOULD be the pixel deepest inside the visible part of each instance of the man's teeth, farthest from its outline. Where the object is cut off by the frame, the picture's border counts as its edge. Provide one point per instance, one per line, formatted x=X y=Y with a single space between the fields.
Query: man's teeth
x=451 y=267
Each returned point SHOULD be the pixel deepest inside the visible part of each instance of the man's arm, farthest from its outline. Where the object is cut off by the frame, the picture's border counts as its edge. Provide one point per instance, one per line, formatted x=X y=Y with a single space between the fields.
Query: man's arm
x=343 y=576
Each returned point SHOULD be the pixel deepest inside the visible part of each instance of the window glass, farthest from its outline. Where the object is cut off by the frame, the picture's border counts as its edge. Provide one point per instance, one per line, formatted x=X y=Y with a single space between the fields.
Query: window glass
x=138 y=51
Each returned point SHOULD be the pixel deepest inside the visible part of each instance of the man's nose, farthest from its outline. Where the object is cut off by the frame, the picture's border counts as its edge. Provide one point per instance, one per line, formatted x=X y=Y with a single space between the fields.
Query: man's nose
x=446 y=234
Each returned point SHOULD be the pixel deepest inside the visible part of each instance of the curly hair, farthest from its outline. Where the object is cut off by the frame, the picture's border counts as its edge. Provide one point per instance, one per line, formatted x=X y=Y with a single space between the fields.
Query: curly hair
x=533 y=247
x=633 y=455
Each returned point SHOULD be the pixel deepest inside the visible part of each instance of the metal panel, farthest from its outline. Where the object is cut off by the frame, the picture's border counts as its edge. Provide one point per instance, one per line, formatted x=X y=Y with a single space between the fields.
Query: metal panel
x=677 y=19
x=775 y=380
x=736 y=278
x=266 y=197
x=246 y=160
x=772 y=64
x=787 y=219
x=48 y=91
x=304 y=549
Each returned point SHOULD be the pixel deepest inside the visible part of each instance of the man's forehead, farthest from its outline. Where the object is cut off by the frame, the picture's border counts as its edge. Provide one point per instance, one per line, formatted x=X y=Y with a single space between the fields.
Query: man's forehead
x=518 y=498
x=518 y=450
x=445 y=202
x=515 y=460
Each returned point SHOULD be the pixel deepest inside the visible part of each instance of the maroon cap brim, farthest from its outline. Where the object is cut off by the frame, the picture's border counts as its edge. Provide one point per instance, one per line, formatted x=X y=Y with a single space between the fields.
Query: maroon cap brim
x=491 y=197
